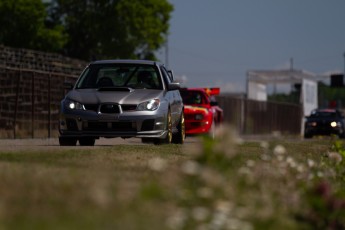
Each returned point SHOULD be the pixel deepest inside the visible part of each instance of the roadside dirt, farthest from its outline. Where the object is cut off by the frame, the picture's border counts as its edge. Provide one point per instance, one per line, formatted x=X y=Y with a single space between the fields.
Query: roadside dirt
x=53 y=143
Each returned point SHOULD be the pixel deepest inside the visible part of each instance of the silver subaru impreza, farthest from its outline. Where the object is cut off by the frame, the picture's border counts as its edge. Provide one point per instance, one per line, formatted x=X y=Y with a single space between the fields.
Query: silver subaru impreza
x=123 y=98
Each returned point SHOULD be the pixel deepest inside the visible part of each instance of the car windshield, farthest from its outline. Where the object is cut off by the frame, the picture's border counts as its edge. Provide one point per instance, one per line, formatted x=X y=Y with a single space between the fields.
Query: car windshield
x=120 y=75
x=325 y=114
x=190 y=97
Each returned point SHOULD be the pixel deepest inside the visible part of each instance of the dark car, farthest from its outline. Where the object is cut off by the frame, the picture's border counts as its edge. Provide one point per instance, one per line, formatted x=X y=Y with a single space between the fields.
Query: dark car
x=324 y=122
x=123 y=98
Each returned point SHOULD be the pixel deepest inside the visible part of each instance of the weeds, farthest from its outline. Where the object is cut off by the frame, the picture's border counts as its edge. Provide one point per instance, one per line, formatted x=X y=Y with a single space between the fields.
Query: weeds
x=272 y=188
x=221 y=183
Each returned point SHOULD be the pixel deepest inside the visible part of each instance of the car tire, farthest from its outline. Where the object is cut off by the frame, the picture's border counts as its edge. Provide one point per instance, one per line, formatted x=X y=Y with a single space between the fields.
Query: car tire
x=179 y=137
x=307 y=136
x=168 y=137
x=67 y=141
x=87 y=141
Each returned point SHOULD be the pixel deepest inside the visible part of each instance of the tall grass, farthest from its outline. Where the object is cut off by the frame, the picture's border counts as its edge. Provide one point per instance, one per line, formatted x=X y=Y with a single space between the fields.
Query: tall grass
x=221 y=183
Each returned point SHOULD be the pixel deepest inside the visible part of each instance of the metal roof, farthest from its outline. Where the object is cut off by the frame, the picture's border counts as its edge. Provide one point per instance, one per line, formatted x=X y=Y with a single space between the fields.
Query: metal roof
x=281 y=76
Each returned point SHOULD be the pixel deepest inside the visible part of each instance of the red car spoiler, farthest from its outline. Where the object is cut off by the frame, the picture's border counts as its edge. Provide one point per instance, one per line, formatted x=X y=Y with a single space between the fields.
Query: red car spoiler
x=212 y=91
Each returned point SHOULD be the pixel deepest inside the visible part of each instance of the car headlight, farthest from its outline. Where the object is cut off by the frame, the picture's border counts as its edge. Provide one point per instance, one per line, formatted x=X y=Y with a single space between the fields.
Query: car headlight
x=199 y=117
x=149 y=105
x=74 y=105
x=335 y=124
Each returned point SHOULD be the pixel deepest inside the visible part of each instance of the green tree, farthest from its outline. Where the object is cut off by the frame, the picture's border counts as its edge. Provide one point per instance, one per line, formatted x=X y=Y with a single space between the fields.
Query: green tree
x=23 y=25
x=99 y=29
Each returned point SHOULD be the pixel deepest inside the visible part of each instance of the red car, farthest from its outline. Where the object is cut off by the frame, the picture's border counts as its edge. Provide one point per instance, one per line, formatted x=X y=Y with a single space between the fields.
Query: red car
x=201 y=110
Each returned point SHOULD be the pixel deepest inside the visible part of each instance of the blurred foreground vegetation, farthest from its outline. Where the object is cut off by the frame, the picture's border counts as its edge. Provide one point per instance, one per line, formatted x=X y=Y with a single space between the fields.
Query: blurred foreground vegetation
x=224 y=183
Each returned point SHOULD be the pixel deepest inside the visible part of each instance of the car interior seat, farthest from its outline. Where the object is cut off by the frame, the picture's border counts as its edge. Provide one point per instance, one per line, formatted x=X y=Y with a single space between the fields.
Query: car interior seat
x=145 y=79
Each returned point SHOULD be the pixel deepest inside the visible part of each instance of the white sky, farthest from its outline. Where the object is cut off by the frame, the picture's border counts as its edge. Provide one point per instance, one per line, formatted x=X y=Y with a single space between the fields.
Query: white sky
x=215 y=42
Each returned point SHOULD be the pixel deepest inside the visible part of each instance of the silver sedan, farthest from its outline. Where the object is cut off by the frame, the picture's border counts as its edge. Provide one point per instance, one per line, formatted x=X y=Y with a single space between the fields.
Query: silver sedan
x=123 y=98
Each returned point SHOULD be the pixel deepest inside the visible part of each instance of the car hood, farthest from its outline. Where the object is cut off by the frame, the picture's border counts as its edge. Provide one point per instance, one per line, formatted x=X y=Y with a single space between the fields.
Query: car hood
x=195 y=109
x=130 y=96
x=323 y=119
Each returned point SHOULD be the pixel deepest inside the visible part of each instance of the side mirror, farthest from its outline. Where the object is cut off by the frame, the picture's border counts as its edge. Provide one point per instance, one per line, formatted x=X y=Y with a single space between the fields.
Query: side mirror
x=171 y=75
x=174 y=86
x=68 y=85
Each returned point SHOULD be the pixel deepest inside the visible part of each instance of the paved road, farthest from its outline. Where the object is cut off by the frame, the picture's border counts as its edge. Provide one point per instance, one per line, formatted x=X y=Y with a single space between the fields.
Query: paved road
x=53 y=143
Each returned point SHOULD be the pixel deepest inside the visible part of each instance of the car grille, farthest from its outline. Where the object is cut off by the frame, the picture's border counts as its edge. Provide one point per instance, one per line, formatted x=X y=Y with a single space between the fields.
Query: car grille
x=126 y=108
x=109 y=108
x=108 y=126
x=189 y=116
x=92 y=107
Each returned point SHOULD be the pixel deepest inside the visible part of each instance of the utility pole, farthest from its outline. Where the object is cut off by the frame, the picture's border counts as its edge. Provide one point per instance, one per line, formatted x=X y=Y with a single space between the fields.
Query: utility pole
x=344 y=65
x=167 y=53
x=291 y=64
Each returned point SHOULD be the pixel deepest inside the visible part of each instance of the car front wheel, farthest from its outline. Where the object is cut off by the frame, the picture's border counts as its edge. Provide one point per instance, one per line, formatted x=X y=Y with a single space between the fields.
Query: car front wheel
x=168 y=138
x=179 y=137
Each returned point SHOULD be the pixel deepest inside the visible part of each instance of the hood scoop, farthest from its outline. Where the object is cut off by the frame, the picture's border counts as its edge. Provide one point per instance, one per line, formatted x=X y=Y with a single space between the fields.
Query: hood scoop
x=117 y=89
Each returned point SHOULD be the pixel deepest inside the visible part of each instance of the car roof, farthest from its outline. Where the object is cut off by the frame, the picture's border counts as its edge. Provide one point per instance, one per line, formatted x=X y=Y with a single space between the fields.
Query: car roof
x=326 y=110
x=193 y=89
x=126 y=61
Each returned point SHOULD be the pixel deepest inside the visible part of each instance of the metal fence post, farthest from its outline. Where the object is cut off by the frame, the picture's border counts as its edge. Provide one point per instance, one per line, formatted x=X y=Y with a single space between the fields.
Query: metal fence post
x=32 y=104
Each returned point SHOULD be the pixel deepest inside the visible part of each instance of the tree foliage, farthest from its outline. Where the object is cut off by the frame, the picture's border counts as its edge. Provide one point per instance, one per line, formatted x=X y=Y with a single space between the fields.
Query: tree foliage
x=23 y=26
x=93 y=29
x=114 y=29
x=326 y=96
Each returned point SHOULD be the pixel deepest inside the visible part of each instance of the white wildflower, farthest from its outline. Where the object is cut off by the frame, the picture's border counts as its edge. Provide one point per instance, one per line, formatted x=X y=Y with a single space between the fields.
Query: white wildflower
x=265 y=157
x=191 y=168
x=157 y=164
x=300 y=168
x=279 y=150
x=176 y=221
x=291 y=162
x=250 y=163
x=319 y=174
x=335 y=157
x=200 y=213
x=264 y=145
x=280 y=158
x=211 y=177
x=311 y=163
x=233 y=223
x=224 y=206
x=244 y=171
x=218 y=220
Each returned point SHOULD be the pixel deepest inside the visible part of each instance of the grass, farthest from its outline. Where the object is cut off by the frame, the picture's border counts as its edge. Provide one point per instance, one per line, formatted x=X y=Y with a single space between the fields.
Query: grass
x=220 y=184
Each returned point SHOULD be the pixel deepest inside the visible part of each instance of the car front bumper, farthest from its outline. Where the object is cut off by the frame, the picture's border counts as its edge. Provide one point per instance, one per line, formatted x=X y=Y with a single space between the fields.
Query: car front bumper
x=324 y=131
x=130 y=124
